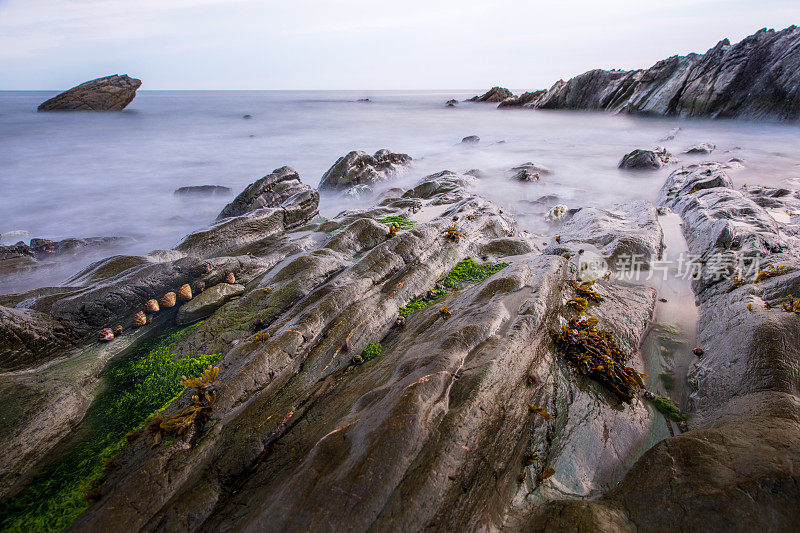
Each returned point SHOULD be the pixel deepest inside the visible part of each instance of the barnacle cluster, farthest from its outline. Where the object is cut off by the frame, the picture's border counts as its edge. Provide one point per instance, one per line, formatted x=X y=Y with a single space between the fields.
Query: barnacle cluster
x=203 y=399
x=452 y=234
x=791 y=305
x=594 y=352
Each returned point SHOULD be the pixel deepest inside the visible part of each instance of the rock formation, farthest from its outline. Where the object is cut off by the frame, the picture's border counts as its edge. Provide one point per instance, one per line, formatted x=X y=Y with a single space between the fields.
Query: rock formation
x=757 y=78
x=360 y=168
x=495 y=94
x=112 y=93
x=394 y=368
x=645 y=159
x=203 y=190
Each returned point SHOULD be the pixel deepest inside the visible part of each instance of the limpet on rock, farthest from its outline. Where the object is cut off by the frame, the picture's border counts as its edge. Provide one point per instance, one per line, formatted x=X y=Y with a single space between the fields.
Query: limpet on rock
x=118 y=329
x=230 y=278
x=151 y=306
x=105 y=335
x=185 y=293
x=168 y=300
x=139 y=319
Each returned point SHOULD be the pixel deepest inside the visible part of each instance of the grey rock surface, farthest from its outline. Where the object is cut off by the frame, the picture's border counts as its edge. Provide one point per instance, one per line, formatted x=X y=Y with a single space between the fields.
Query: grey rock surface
x=112 y=93
x=204 y=304
x=756 y=78
x=645 y=159
x=361 y=168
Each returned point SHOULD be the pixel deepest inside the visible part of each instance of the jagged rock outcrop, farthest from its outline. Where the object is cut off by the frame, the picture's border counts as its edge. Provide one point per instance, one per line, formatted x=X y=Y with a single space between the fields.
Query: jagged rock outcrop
x=495 y=94
x=360 y=168
x=269 y=191
x=756 y=78
x=645 y=159
x=524 y=98
x=112 y=93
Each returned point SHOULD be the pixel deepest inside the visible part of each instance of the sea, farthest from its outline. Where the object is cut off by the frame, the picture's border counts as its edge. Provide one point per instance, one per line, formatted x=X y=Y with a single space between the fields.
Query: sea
x=89 y=174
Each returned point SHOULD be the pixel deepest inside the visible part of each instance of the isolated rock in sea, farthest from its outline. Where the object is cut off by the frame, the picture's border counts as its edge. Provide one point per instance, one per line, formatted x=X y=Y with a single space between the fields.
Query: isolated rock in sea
x=361 y=168
x=203 y=190
x=701 y=148
x=756 y=78
x=22 y=256
x=645 y=159
x=269 y=191
x=495 y=94
x=451 y=103
x=471 y=139
x=112 y=93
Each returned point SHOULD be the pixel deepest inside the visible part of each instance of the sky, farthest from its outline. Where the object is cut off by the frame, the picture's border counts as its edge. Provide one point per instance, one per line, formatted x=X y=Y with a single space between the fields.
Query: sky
x=358 y=44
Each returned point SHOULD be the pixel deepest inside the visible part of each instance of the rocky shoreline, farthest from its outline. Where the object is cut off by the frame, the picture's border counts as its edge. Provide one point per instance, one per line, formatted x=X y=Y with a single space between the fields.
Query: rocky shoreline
x=756 y=78
x=421 y=363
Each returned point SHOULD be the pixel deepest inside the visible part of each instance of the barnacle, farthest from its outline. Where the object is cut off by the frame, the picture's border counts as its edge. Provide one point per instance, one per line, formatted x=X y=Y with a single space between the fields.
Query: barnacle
x=453 y=234
x=594 y=352
x=539 y=411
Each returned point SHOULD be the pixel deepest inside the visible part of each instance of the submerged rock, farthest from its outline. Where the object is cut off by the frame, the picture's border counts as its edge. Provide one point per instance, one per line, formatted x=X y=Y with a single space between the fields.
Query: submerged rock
x=701 y=148
x=645 y=159
x=360 y=168
x=203 y=190
x=470 y=139
x=112 y=93
x=756 y=78
x=495 y=94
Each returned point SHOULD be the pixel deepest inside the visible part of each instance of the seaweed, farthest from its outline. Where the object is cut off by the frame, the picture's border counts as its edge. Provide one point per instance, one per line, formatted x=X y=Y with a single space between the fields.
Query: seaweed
x=790 y=305
x=584 y=290
x=136 y=387
x=373 y=350
x=668 y=380
x=594 y=352
x=770 y=272
x=669 y=409
x=400 y=222
x=465 y=271
x=539 y=411
x=203 y=400
x=393 y=229
x=548 y=472
x=453 y=234
x=580 y=305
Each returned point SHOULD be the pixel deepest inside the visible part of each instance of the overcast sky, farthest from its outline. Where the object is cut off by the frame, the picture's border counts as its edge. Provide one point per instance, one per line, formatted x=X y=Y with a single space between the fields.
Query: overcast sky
x=358 y=44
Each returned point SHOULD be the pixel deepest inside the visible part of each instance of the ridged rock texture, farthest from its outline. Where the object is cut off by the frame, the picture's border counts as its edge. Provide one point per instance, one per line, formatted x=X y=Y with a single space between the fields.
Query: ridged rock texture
x=445 y=428
x=112 y=93
x=757 y=78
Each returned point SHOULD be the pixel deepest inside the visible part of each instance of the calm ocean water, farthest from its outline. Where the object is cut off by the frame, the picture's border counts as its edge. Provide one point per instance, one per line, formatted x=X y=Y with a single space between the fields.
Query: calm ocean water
x=113 y=174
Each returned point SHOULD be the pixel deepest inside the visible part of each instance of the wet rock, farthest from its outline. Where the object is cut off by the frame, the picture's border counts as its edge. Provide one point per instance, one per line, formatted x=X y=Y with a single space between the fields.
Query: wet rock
x=531 y=168
x=112 y=93
x=645 y=159
x=360 y=168
x=495 y=94
x=755 y=78
x=21 y=256
x=29 y=338
x=701 y=148
x=451 y=103
x=203 y=305
x=470 y=139
x=269 y=191
x=358 y=191
x=203 y=190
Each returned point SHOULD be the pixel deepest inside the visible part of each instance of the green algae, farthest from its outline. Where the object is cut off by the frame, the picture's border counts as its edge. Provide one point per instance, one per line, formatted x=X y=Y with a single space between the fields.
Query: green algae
x=669 y=409
x=135 y=388
x=373 y=350
x=400 y=222
x=668 y=380
x=466 y=271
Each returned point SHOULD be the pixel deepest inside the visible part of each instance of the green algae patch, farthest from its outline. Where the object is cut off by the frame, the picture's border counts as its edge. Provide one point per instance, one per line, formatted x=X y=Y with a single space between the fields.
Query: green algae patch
x=465 y=271
x=669 y=409
x=400 y=222
x=145 y=382
x=373 y=350
x=668 y=380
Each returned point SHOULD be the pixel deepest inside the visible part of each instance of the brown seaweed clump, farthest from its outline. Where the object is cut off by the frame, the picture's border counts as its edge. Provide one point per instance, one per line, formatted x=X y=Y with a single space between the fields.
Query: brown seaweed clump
x=453 y=234
x=584 y=290
x=594 y=352
x=203 y=399
x=791 y=305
